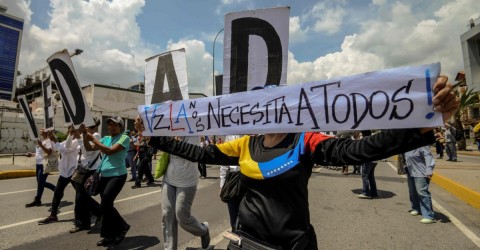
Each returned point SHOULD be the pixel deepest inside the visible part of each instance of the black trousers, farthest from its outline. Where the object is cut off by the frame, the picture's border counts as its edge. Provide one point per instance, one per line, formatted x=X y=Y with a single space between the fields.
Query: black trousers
x=144 y=169
x=202 y=168
x=113 y=223
x=58 y=193
x=85 y=205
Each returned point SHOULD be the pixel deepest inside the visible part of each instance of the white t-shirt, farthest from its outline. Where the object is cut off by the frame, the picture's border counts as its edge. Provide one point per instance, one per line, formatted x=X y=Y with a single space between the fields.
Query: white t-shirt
x=69 y=153
x=181 y=172
x=39 y=153
x=88 y=157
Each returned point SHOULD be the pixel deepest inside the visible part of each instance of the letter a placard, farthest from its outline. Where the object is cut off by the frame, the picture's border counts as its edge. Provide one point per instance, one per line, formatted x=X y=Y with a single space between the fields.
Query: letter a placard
x=68 y=85
x=166 y=77
x=255 y=49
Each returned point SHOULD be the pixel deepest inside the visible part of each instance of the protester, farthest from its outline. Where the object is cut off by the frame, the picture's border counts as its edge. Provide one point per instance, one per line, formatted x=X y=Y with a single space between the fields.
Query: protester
x=477 y=140
x=66 y=166
x=369 y=187
x=420 y=164
x=275 y=169
x=202 y=167
x=178 y=192
x=113 y=177
x=144 y=157
x=85 y=205
x=224 y=170
x=42 y=150
x=451 y=142
x=132 y=151
x=439 y=141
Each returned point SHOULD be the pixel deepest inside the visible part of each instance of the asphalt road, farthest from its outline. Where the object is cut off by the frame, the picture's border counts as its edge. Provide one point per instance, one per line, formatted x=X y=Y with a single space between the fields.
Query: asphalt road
x=341 y=220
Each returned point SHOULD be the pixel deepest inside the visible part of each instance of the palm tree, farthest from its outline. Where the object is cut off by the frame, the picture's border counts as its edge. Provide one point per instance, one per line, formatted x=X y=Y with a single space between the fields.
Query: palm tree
x=467 y=98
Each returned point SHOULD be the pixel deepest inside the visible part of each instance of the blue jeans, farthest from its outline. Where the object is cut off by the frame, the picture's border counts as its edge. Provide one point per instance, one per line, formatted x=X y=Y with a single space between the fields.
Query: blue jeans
x=42 y=181
x=451 y=150
x=368 y=179
x=420 y=197
x=132 y=163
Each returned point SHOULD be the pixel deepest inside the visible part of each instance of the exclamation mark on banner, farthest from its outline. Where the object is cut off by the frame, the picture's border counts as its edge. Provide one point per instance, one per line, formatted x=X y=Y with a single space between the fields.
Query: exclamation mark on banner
x=429 y=93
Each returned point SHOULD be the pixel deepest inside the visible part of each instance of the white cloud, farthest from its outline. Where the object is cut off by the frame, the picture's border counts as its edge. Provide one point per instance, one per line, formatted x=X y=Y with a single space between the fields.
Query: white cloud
x=199 y=65
x=348 y=61
x=297 y=35
x=327 y=19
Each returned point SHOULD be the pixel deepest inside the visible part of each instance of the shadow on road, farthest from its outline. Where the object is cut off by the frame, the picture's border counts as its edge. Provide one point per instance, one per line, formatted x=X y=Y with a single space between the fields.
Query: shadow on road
x=382 y=194
x=138 y=243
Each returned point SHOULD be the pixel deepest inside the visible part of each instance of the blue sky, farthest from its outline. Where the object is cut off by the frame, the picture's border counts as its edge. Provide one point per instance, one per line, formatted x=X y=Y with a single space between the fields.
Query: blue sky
x=327 y=38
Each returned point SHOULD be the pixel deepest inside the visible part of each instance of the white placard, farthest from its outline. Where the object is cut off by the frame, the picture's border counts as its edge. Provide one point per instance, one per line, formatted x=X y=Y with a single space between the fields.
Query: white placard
x=394 y=98
x=255 y=49
x=68 y=85
x=47 y=104
x=166 y=77
x=32 y=127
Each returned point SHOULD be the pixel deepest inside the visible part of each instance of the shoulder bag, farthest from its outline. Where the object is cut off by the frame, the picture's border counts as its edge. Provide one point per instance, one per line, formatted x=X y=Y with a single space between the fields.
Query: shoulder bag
x=232 y=188
x=81 y=172
x=162 y=165
x=52 y=163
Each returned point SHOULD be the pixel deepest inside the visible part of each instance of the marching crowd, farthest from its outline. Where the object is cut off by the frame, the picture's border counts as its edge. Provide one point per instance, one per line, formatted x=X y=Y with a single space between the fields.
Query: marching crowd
x=273 y=170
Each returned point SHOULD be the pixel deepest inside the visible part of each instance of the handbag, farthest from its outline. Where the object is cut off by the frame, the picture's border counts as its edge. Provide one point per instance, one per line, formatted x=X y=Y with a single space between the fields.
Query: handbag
x=52 y=163
x=81 y=172
x=232 y=188
x=162 y=165
x=91 y=184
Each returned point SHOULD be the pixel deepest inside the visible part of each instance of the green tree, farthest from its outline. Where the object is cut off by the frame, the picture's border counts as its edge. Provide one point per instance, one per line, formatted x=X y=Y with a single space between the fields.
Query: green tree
x=467 y=98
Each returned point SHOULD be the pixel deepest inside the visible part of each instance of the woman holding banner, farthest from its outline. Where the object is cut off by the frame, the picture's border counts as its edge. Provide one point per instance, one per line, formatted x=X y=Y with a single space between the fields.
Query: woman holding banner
x=113 y=177
x=275 y=169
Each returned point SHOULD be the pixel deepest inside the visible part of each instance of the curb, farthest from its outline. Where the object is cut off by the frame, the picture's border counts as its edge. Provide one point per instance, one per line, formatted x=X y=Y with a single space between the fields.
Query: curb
x=466 y=194
x=16 y=174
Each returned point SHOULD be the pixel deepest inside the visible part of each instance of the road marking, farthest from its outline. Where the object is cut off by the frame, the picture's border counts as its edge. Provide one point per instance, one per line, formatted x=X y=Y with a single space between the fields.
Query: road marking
x=71 y=211
x=16 y=192
x=464 y=229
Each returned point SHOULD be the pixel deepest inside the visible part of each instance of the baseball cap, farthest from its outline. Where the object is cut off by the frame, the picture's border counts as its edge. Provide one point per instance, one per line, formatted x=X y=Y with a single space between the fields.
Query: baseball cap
x=116 y=119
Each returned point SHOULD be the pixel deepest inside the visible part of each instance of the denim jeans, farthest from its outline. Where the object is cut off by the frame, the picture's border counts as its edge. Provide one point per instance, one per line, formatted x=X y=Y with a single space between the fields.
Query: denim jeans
x=368 y=179
x=132 y=163
x=451 y=150
x=42 y=181
x=420 y=197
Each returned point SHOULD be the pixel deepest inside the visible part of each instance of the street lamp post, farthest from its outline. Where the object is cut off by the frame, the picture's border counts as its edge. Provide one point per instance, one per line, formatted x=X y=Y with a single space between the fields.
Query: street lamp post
x=213 y=64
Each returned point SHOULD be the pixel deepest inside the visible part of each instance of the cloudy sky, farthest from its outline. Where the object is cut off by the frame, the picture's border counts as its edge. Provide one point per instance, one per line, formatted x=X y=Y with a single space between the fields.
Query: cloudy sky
x=327 y=38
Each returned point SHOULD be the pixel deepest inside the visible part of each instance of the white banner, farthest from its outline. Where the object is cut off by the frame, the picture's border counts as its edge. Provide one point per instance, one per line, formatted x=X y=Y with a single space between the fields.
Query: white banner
x=68 y=85
x=32 y=127
x=255 y=49
x=47 y=104
x=394 y=98
x=166 y=77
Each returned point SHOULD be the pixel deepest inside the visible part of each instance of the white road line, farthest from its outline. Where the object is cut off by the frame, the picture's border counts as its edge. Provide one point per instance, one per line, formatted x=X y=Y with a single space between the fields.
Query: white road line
x=21 y=191
x=71 y=211
x=464 y=229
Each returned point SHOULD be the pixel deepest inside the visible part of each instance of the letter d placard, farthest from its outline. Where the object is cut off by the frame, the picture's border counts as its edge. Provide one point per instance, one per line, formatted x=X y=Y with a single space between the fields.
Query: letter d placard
x=62 y=70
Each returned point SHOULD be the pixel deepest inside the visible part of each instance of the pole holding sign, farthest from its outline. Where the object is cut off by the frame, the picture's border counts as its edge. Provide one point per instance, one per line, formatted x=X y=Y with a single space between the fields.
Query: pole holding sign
x=68 y=85
x=166 y=77
x=32 y=127
x=394 y=98
x=255 y=49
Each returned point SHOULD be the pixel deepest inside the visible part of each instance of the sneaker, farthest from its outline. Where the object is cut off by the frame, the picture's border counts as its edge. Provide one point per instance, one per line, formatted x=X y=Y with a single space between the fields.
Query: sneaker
x=105 y=242
x=122 y=235
x=414 y=212
x=34 y=203
x=49 y=219
x=132 y=180
x=134 y=187
x=364 y=196
x=150 y=183
x=78 y=229
x=205 y=238
x=98 y=221
x=427 y=221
